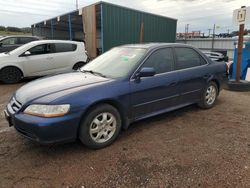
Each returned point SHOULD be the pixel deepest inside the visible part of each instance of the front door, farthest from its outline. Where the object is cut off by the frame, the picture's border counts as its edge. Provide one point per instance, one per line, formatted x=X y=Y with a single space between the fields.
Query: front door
x=40 y=60
x=155 y=94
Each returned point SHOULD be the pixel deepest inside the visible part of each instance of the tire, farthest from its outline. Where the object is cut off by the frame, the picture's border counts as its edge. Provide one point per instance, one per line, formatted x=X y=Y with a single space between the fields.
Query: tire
x=78 y=65
x=95 y=131
x=209 y=96
x=10 y=75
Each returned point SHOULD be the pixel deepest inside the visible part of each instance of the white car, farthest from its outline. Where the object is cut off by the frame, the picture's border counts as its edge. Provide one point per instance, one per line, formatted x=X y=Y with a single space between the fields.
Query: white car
x=215 y=56
x=40 y=58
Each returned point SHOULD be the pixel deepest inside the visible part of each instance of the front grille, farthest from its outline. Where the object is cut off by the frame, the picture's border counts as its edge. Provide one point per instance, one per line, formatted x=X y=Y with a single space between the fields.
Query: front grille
x=14 y=106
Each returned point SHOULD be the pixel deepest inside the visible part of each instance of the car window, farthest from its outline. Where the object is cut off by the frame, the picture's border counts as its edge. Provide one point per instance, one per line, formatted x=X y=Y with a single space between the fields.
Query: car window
x=9 y=41
x=65 y=47
x=187 y=58
x=25 y=40
x=41 y=49
x=161 y=60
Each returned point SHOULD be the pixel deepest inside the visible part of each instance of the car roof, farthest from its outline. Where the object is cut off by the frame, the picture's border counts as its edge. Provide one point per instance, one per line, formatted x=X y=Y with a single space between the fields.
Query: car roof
x=52 y=41
x=155 y=45
x=20 y=36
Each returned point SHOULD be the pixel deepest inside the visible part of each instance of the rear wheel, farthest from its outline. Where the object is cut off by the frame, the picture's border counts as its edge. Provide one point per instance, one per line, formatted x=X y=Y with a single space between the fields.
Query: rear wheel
x=209 y=96
x=10 y=75
x=78 y=65
x=101 y=127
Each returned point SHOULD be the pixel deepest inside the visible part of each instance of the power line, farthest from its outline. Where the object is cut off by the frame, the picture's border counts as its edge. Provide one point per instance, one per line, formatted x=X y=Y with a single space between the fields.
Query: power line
x=31 y=8
x=23 y=13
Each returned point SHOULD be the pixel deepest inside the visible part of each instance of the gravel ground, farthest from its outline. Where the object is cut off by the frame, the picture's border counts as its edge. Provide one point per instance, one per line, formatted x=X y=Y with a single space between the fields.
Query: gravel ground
x=185 y=148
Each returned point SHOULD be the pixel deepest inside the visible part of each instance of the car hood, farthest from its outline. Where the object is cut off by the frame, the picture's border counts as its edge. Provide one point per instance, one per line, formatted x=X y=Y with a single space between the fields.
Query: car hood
x=54 y=84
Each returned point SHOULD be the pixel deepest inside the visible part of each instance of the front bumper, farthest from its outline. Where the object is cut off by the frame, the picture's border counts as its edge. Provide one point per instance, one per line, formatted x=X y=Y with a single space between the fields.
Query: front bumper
x=45 y=130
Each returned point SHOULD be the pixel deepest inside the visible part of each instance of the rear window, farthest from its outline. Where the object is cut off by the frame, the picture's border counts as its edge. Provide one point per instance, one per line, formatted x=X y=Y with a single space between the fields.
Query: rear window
x=65 y=47
x=25 y=40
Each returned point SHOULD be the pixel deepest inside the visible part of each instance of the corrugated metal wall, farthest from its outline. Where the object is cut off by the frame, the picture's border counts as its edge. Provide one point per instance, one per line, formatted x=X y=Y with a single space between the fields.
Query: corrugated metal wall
x=122 y=26
x=220 y=44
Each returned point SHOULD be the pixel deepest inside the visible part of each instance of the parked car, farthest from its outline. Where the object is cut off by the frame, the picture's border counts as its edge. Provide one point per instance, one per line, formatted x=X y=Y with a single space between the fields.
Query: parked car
x=125 y=84
x=216 y=56
x=12 y=42
x=40 y=58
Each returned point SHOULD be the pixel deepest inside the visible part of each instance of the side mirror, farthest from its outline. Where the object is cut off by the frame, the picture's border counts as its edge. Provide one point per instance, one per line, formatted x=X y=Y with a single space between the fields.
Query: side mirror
x=1 y=44
x=27 y=53
x=146 y=72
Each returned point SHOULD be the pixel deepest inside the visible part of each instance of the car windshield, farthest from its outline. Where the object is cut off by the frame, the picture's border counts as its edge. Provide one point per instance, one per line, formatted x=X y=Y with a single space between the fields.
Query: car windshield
x=116 y=63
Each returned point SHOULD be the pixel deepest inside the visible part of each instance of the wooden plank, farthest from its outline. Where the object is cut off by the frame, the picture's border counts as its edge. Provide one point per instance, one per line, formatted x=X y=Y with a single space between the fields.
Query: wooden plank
x=89 y=25
x=142 y=33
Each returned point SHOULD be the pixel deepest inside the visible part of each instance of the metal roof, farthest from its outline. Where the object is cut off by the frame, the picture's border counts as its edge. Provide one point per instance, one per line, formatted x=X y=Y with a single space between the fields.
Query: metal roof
x=103 y=2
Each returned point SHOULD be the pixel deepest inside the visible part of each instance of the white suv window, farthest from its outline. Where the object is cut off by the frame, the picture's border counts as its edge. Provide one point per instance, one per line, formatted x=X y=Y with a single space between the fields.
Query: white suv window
x=65 y=47
x=41 y=49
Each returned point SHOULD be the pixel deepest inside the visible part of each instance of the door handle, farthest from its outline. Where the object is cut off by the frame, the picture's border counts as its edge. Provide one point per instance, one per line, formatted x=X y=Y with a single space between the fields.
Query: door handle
x=49 y=58
x=206 y=76
x=173 y=84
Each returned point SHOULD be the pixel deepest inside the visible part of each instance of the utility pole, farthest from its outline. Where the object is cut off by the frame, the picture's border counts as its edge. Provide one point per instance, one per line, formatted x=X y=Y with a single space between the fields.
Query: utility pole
x=213 y=37
x=240 y=46
x=187 y=27
x=185 y=35
x=186 y=32
x=76 y=4
x=209 y=32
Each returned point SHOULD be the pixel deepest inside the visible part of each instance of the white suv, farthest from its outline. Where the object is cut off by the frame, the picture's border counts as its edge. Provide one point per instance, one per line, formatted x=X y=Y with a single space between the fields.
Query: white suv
x=40 y=58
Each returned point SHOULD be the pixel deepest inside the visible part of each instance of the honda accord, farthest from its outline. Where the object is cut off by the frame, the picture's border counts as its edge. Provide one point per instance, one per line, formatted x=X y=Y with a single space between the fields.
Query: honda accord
x=126 y=84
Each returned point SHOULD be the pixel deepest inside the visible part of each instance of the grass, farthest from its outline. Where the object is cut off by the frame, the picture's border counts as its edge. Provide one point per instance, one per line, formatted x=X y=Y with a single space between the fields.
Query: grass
x=7 y=33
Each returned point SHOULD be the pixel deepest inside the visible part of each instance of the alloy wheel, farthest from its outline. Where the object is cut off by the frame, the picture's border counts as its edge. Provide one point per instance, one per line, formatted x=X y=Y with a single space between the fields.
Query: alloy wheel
x=211 y=95
x=103 y=127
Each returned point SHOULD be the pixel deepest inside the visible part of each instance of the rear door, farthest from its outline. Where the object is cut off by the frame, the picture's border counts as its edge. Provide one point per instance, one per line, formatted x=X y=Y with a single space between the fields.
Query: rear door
x=63 y=59
x=157 y=93
x=39 y=62
x=192 y=70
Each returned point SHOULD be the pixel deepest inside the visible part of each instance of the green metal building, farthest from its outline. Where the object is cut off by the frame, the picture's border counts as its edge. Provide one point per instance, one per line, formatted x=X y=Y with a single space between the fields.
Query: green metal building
x=104 y=25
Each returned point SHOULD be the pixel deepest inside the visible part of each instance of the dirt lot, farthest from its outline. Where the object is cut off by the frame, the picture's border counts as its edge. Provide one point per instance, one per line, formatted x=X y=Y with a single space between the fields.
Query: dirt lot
x=186 y=148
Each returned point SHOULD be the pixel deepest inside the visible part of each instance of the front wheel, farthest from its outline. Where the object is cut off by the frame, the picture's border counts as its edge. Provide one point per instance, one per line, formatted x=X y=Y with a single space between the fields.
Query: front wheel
x=78 y=65
x=100 y=127
x=209 y=96
x=10 y=75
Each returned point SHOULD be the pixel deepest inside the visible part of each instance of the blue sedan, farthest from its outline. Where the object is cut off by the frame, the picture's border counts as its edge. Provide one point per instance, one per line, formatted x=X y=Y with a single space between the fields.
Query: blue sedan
x=126 y=84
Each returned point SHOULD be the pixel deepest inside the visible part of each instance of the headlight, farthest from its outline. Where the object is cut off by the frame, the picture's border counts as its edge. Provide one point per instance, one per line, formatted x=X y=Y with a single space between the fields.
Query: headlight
x=47 y=110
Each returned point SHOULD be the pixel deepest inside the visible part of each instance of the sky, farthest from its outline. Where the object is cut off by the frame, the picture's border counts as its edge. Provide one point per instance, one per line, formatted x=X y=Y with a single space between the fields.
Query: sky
x=201 y=15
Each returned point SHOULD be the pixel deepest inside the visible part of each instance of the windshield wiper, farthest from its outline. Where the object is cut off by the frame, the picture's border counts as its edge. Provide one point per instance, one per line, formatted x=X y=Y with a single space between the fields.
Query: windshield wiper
x=94 y=73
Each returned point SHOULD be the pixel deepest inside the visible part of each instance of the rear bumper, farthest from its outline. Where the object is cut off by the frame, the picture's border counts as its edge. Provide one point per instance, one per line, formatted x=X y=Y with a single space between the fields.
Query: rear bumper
x=224 y=81
x=45 y=130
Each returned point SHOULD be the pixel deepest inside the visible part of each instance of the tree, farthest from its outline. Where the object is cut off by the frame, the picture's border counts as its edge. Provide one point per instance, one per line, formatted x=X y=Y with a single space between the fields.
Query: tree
x=14 y=29
x=2 y=28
